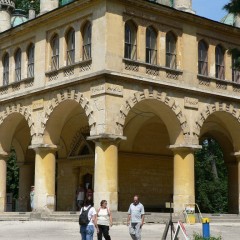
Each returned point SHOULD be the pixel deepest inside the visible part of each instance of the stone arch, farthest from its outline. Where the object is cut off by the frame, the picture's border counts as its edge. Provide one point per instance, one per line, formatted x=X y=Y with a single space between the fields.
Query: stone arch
x=159 y=96
x=70 y=95
x=18 y=108
x=211 y=108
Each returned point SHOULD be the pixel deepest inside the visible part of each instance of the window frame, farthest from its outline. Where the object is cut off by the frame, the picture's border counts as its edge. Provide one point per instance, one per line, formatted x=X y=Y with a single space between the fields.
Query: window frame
x=171 y=50
x=30 y=58
x=130 y=41
x=87 y=41
x=202 y=58
x=54 y=43
x=219 y=62
x=151 y=46
x=18 y=65
x=5 y=64
x=70 y=46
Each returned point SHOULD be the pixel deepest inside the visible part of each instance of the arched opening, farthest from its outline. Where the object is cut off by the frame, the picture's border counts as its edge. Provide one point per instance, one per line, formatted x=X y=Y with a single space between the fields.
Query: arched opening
x=15 y=139
x=218 y=162
x=145 y=160
x=68 y=128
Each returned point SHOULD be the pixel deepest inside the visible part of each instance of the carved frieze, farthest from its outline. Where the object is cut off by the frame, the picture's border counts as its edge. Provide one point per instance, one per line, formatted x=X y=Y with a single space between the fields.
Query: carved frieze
x=107 y=88
x=191 y=102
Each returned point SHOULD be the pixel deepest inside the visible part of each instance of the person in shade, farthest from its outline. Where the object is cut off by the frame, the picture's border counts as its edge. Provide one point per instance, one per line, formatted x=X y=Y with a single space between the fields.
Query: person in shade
x=32 y=192
x=135 y=218
x=104 y=221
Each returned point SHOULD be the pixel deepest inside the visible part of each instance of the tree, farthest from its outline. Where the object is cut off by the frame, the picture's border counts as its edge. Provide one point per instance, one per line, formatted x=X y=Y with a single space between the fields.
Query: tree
x=12 y=174
x=211 y=178
x=25 y=5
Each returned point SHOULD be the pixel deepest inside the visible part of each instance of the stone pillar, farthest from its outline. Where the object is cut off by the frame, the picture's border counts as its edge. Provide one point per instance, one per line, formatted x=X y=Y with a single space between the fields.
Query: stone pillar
x=76 y=173
x=26 y=180
x=183 y=183
x=106 y=171
x=48 y=5
x=3 y=181
x=184 y=5
x=45 y=165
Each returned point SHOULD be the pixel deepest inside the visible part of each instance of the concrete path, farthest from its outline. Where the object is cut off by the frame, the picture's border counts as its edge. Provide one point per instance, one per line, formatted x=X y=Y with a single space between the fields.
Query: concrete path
x=37 y=230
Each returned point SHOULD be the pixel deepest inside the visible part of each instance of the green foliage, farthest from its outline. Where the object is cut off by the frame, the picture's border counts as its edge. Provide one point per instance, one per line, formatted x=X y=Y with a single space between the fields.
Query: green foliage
x=233 y=6
x=211 y=178
x=197 y=236
x=25 y=4
x=12 y=174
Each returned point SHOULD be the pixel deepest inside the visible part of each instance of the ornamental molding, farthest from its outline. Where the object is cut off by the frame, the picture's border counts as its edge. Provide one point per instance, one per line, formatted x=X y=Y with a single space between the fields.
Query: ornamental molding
x=157 y=95
x=18 y=108
x=211 y=108
x=69 y=94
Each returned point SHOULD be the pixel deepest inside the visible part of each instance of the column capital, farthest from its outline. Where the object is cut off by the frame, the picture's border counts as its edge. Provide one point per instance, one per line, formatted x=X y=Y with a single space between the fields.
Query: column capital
x=185 y=147
x=43 y=147
x=4 y=154
x=106 y=138
x=237 y=155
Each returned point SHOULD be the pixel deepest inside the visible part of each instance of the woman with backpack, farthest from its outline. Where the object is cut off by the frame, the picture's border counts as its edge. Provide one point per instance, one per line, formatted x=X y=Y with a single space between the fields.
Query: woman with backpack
x=87 y=220
x=104 y=220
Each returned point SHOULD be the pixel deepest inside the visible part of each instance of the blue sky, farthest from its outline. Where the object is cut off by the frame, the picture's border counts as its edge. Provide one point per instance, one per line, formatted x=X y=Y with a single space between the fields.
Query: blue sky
x=211 y=9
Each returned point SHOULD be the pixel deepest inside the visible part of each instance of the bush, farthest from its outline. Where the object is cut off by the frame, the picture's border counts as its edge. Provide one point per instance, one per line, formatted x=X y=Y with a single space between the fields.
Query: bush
x=197 y=236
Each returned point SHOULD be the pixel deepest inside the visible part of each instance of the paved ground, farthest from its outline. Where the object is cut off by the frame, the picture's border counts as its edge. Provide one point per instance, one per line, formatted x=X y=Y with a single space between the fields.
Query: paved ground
x=70 y=231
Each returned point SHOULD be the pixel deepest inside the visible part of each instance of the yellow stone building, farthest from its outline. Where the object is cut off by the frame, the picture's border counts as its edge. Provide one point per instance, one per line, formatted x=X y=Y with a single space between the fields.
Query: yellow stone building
x=116 y=95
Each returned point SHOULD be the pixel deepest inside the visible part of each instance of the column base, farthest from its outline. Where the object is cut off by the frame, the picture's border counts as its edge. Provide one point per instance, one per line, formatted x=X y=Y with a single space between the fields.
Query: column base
x=44 y=203
x=111 y=197
x=180 y=201
x=2 y=204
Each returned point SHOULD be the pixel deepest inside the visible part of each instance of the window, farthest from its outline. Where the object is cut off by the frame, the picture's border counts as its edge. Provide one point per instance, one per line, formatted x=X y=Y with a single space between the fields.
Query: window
x=30 y=57
x=171 y=51
x=70 y=40
x=18 y=63
x=219 y=58
x=130 y=41
x=55 y=53
x=202 y=58
x=235 y=71
x=151 y=46
x=87 y=41
x=6 y=69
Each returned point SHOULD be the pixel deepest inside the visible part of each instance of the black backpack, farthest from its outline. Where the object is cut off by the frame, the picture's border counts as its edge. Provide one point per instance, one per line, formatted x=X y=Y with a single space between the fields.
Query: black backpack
x=83 y=217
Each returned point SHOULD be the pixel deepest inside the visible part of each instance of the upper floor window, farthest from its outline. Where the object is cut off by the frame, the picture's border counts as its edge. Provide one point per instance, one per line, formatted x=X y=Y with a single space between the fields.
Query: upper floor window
x=87 y=41
x=202 y=58
x=70 y=40
x=5 y=69
x=55 y=52
x=18 y=65
x=235 y=70
x=130 y=41
x=30 y=58
x=151 y=46
x=219 y=58
x=171 y=57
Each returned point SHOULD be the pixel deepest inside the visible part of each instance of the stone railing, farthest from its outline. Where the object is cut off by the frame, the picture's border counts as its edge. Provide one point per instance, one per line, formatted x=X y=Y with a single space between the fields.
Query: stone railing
x=68 y=72
x=8 y=3
x=16 y=86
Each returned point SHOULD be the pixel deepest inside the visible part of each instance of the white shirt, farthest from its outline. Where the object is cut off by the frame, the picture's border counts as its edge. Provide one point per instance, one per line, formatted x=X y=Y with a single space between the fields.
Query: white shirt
x=91 y=213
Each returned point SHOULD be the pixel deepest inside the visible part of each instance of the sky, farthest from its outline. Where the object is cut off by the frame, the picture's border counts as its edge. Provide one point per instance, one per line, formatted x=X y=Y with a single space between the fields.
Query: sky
x=211 y=9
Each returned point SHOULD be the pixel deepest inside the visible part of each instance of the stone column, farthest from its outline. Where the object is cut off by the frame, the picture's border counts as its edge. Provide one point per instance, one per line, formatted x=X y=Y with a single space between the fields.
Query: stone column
x=106 y=171
x=3 y=181
x=26 y=180
x=183 y=183
x=45 y=165
x=76 y=173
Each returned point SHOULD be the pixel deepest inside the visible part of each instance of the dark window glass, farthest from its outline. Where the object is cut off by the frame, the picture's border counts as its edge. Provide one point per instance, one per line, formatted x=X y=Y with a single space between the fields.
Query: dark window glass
x=130 y=51
x=171 y=51
x=235 y=71
x=18 y=63
x=87 y=42
x=219 y=58
x=6 y=69
x=70 y=47
x=55 y=53
x=151 y=46
x=30 y=55
x=202 y=58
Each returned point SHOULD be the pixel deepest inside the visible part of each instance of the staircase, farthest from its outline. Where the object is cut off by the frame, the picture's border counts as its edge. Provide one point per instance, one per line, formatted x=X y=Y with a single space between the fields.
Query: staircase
x=118 y=217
